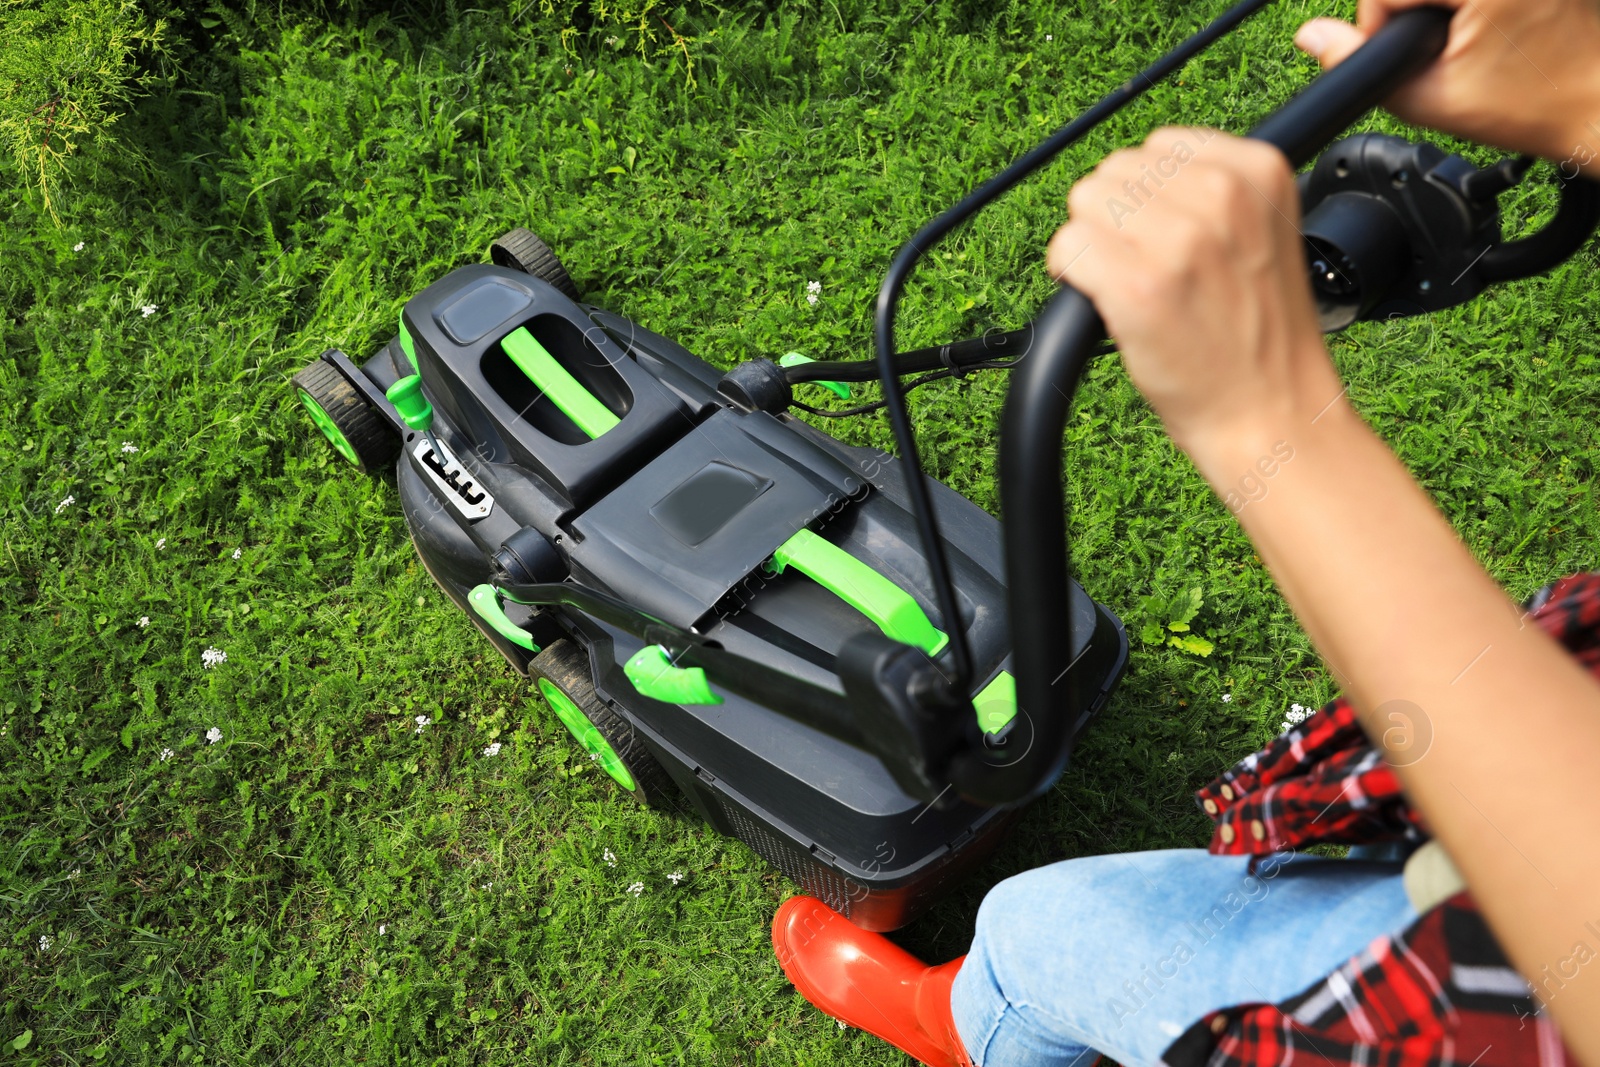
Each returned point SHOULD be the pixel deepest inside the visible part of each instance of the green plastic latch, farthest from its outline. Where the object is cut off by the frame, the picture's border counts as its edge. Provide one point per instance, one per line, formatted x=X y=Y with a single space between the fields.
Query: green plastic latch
x=485 y=601
x=580 y=405
x=406 y=396
x=996 y=703
x=651 y=671
x=863 y=588
x=794 y=359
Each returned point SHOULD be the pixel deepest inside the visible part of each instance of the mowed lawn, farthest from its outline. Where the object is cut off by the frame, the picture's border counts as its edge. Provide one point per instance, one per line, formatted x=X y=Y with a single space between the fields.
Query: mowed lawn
x=266 y=860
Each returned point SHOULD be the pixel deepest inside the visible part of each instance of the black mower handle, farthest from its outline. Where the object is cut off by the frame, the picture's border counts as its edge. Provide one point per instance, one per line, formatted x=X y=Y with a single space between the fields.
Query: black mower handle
x=1574 y=222
x=1034 y=420
x=1323 y=110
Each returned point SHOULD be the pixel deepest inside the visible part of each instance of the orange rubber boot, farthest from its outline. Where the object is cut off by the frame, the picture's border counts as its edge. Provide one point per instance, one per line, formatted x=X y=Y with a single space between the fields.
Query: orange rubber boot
x=869 y=982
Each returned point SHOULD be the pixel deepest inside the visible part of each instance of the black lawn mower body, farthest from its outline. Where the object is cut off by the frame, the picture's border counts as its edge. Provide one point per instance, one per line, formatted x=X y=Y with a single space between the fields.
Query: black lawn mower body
x=673 y=511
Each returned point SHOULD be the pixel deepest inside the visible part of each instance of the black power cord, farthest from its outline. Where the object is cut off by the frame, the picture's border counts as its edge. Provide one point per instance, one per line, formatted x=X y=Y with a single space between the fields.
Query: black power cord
x=877 y=405
x=1105 y=348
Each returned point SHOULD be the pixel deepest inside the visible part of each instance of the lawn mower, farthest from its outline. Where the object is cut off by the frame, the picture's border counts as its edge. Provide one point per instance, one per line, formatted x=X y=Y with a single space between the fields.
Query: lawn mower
x=834 y=658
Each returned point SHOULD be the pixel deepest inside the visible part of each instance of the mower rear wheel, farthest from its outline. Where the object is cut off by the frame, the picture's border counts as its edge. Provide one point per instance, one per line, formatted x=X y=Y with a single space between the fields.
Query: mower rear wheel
x=352 y=427
x=561 y=672
x=522 y=250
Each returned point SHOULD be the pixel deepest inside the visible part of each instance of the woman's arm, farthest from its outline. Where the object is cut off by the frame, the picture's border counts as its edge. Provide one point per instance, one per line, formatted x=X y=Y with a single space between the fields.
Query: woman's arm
x=1497 y=729
x=1201 y=279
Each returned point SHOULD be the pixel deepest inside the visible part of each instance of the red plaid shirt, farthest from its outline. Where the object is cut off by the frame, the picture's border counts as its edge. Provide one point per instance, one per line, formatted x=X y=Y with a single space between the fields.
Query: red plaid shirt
x=1439 y=993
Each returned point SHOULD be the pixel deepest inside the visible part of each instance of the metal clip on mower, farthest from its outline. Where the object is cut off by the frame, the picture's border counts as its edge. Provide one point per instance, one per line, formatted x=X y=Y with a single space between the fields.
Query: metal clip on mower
x=825 y=652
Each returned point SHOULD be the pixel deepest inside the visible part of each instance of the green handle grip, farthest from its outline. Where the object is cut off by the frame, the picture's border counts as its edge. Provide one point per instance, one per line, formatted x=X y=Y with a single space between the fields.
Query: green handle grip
x=485 y=601
x=886 y=604
x=406 y=396
x=580 y=405
x=651 y=671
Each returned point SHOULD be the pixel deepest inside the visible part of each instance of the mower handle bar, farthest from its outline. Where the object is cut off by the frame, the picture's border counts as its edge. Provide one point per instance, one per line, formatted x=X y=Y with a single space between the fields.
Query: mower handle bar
x=1562 y=236
x=1049 y=691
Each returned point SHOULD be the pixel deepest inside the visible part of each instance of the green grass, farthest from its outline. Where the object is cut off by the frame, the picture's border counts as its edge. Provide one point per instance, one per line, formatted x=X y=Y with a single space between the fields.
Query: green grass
x=326 y=885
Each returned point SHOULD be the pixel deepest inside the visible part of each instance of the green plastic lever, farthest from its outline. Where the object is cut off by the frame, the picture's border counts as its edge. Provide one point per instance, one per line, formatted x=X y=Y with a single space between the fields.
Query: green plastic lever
x=996 y=703
x=406 y=396
x=886 y=604
x=485 y=601
x=794 y=359
x=651 y=671
x=580 y=405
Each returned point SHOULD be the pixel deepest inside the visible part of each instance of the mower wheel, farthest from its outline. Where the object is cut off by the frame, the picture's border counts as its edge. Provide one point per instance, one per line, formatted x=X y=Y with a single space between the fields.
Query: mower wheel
x=356 y=431
x=561 y=672
x=522 y=250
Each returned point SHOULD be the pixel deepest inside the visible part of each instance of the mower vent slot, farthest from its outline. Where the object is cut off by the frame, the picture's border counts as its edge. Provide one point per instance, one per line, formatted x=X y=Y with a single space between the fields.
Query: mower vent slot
x=575 y=354
x=827 y=885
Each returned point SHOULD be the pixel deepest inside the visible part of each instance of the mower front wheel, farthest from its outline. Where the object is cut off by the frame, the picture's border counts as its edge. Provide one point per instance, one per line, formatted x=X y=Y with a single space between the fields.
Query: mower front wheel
x=355 y=431
x=561 y=672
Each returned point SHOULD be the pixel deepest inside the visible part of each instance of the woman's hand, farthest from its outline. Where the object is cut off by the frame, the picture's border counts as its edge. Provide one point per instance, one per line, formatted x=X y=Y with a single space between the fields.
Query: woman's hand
x=1189 y=248
x=1520 y=74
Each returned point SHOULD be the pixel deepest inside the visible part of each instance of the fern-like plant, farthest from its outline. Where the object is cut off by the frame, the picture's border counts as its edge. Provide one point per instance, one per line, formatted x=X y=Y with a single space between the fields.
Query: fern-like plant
x=68 y=68
x=642 y=21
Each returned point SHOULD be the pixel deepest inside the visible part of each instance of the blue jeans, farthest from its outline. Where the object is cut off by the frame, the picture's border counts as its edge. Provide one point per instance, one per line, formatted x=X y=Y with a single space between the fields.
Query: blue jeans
x=1120 y=954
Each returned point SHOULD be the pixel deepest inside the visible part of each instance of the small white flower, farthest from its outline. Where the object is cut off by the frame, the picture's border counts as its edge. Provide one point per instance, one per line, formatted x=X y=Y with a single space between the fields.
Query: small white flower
x=129 y=446
x=610 y=858
x=487 y=885
x=813 y=292
x=1049 y=36
x=144 y=620
x=147 y=311
x=45 y=942
x=1227 y=698
x=676 y=876
x=842 y=1024
x=636 y=888
x=70 y=499
x=75 y=872
x=613 y=41
x=492 y=750
x=238 y=552
x=167 y=754
x=161 y=542
x=383 y=928
x=78 y=247
x=212 y=656
x=213 y=735
x=423 y=722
